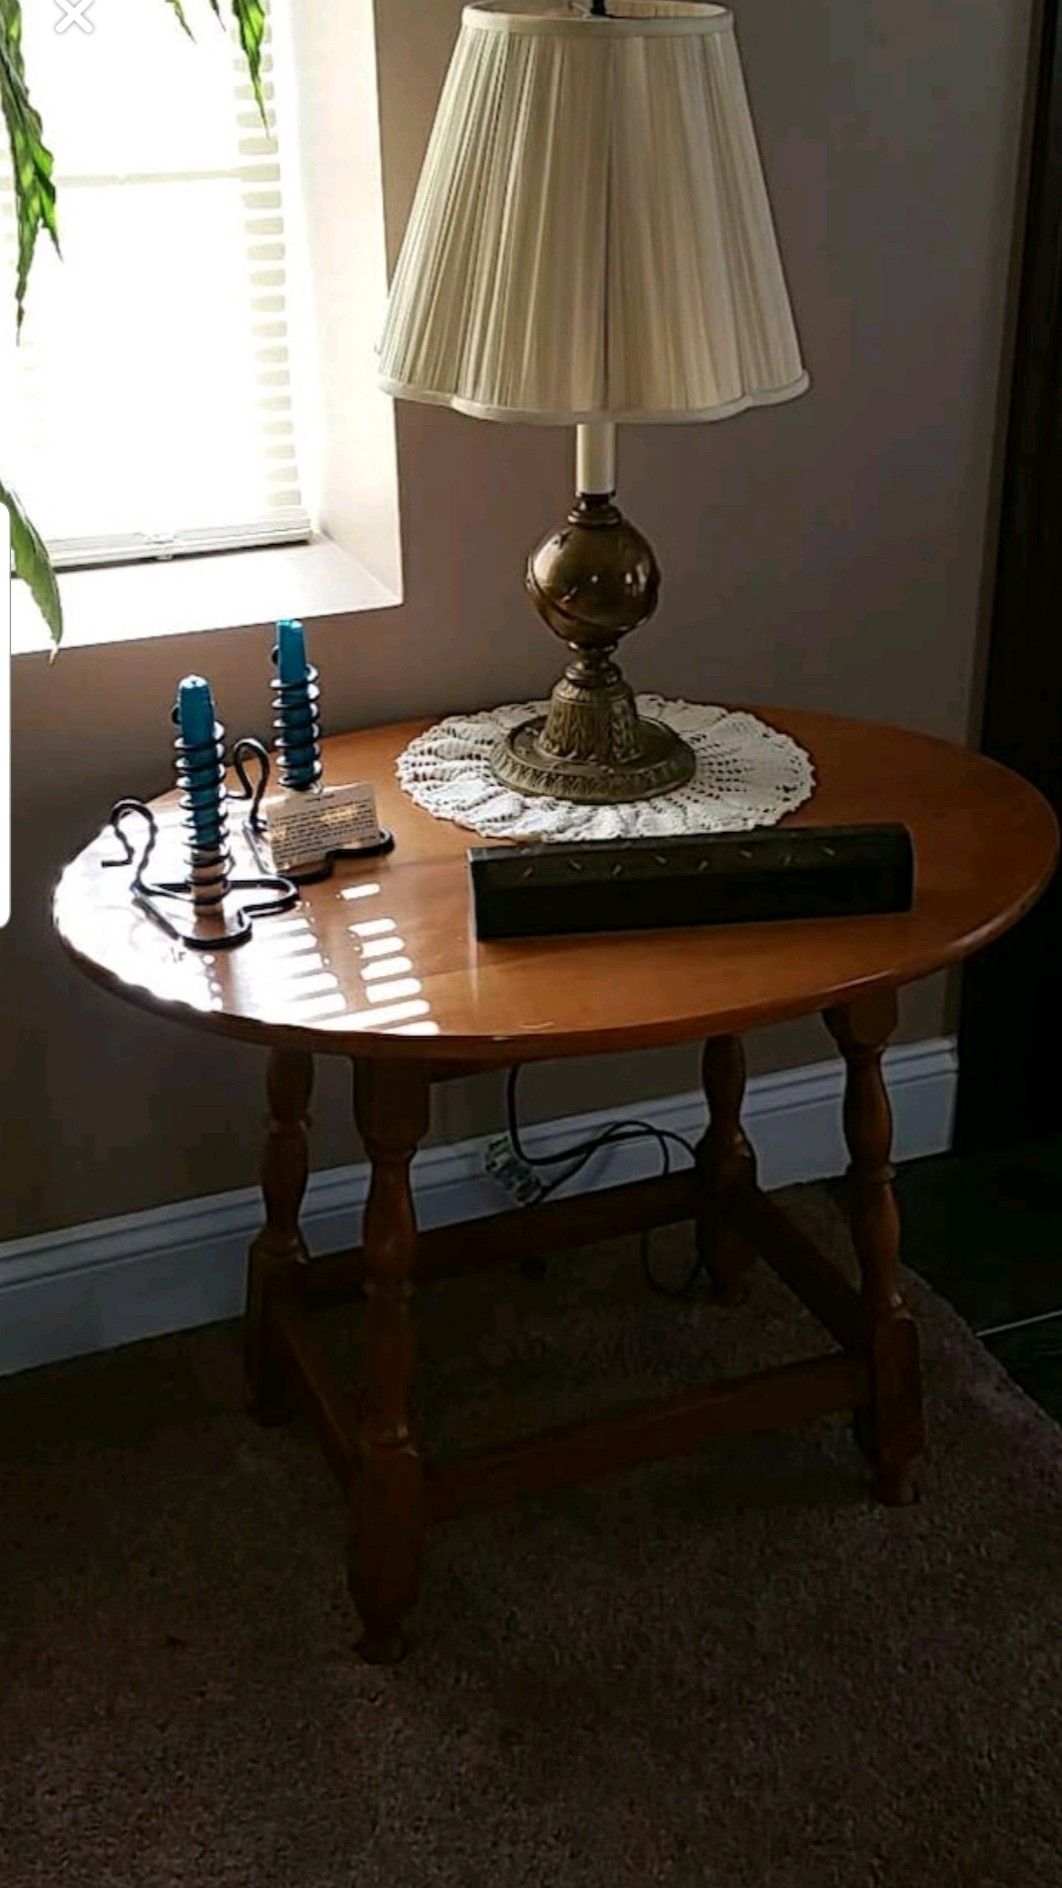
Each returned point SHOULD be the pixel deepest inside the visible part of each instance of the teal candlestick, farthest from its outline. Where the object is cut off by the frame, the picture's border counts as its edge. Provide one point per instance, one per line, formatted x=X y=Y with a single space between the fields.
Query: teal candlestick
x=292 y=665
x=195 y=710
x=295 y=699
x=195 y=719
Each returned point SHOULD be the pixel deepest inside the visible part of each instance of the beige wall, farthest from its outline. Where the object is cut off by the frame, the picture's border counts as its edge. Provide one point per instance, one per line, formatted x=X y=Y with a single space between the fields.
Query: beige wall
x=826 y=553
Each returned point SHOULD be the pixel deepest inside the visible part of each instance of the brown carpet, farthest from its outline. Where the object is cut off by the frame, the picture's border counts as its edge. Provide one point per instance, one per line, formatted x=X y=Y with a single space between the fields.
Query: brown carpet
x=732 y=1672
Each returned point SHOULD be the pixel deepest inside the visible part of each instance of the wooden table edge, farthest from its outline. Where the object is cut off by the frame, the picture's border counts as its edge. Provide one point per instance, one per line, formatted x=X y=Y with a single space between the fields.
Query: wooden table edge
x=535 y=1046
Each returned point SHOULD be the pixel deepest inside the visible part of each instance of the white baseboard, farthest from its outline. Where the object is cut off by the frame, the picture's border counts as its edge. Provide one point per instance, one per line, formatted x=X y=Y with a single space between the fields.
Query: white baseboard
x=89 y=1288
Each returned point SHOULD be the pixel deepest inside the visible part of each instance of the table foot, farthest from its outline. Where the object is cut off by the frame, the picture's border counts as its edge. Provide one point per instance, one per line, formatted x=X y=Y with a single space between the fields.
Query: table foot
x=895 y=1487
x=373 y=1651
x=382 y=1640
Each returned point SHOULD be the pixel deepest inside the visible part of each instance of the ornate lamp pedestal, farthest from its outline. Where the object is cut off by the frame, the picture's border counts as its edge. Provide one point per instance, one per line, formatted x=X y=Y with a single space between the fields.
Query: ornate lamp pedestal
x=593 y=581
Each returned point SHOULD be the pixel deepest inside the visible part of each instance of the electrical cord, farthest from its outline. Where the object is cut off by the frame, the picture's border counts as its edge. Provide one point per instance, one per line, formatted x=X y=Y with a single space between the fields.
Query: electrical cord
x=574 y=1159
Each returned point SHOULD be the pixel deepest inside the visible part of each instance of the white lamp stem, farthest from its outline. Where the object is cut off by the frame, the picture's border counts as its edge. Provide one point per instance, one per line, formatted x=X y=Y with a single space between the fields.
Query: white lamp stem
x=595 y=457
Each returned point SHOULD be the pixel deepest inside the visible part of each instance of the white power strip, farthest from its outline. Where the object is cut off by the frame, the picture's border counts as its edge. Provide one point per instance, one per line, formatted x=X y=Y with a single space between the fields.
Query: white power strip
x=502 y=1163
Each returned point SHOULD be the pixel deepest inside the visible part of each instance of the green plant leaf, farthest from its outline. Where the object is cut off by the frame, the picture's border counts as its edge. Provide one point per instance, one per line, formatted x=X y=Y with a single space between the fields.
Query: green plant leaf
x=179 y=10
x=251 y=21
x=31 y=159
x=250 y=16
x=31 y=562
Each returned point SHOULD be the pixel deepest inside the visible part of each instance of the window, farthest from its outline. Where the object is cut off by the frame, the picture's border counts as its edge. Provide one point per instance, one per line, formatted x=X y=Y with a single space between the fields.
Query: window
x=150 y=409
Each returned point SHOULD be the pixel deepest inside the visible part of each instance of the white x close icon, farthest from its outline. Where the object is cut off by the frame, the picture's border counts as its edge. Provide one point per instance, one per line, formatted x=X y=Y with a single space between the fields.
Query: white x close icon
x=73 y=13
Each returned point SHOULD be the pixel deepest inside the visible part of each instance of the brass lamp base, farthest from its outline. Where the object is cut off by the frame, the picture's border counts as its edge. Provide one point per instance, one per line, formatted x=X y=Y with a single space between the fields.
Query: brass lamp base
x=593 y=581
x=637 y=760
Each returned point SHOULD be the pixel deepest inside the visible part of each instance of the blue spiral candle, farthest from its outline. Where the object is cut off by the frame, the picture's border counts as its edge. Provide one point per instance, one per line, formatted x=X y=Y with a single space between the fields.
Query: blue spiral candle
x=195 y=720
x=296 y=724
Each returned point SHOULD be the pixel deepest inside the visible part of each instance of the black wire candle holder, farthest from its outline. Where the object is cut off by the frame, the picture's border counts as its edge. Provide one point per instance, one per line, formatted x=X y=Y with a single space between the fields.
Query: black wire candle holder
x=207 y=909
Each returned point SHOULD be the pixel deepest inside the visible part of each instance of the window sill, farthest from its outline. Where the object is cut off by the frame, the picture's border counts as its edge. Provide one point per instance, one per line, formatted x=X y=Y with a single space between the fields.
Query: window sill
x=229 y=590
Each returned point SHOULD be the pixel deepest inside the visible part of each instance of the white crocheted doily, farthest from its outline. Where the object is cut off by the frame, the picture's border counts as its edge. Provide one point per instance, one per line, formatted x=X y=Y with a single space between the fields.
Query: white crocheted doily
x=747 y=775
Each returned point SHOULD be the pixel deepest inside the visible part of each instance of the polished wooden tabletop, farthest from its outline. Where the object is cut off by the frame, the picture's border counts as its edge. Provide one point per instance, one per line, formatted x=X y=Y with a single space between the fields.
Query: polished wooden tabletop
x=382 y=958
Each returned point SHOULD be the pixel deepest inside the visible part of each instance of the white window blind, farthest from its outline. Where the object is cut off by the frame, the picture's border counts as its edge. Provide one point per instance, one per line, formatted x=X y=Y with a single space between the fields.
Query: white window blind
x=148 y=410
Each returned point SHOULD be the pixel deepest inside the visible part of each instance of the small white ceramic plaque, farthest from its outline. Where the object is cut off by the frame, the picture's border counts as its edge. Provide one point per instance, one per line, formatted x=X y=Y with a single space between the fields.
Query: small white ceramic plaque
x=304 y=827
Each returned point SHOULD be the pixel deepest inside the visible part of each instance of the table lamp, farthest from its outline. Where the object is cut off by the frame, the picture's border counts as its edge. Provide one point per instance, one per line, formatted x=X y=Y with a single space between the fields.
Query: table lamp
x=591 y=242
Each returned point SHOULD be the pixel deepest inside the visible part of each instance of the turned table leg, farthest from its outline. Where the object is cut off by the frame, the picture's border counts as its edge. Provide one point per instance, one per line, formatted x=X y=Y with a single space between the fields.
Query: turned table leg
x=391 y=1102
x=285 y=1164
x=725 y=1160
x=891 y=1429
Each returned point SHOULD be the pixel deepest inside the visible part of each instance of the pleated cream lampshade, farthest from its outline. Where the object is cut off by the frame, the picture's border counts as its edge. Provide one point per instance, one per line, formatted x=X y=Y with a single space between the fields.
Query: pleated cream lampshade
x=591 y=238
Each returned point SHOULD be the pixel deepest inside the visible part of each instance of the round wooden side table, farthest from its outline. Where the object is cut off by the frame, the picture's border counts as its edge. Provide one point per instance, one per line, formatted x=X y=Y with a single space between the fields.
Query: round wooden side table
x=380 y=963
